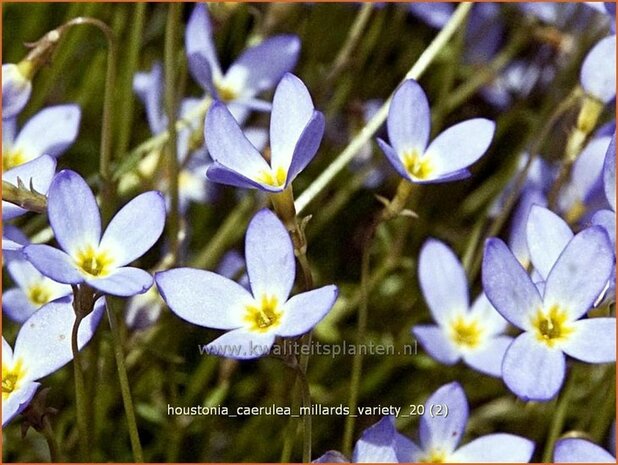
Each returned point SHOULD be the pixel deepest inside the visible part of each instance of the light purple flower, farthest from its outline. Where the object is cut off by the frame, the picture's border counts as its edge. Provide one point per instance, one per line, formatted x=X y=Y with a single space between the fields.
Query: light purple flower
x=296 y=130
x=574 y=450
x=534 y=364
x=607 y=218
x=598 y=73
x=257 y=69
x=43 y=346
x=380 y=443
x=440 y=433
x=254 y=318
x=447 y=156
x=32 y=292
x=16 y=90
x=472 y=333
x=87 y=256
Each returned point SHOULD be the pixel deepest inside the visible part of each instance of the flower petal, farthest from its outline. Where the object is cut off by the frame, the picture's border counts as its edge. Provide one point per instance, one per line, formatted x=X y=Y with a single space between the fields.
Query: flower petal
x=483 y=311
x=135 y=228
x=76 y=224
x=444 y=432
x=532 y=370
x=204 y=298
x=17 y=401
x=291 y=113
x=507 y=285
x=436 y=343
x=149 y=89
x=22 y=272
x=16 y=90
x=51 y=131
x=580 y=273
x=409 y=119
x=198 y=40
x=44 y=341
x=495 y=448
x=394 y=159
x=7 y=352
x=307 y=146
x=222 y=175
x=228 y=145
x=270 y=257
x=575 y=450
x=443 y=281
x=489 y=357
x=547 y=235
x=593 y=340
x=598 y=74
x=37 y=173
x=16 y=305
x=609 y=173
x=454 y=149
x=241 y=344
x=607 y=220
x=303 y=311
x=517 y=238
x=377 y=443
x=262 y=66
x=123 y=282
x=53 y=263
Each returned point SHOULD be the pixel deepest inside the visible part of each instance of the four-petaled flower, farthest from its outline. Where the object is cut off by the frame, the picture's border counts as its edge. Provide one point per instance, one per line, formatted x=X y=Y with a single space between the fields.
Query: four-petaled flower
x=86 y=255
x=296 y=130
x=257 y=69
x=534 y=364
x=472 y=333
x=253 y=318
x=43 y=345
x=447 y=156
x=441 y=432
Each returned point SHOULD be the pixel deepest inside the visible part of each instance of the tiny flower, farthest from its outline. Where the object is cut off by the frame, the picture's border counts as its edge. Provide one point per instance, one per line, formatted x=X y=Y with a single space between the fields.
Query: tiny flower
x=51 y=131
x=86 y=255
x=296 y=130
x=43 y=346
x=574 y=450
x=534 y=364
x=472 y=333
x=257 y=69
x=32 y=292
x=254 y=318
x=598 y=73
x=447 y=156
x=440 y=434
x=37 y=174
x=16 y=90
x=380 y=443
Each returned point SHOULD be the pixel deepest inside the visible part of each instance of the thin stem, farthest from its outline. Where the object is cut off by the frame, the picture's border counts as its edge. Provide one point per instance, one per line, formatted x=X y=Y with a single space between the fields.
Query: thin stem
x=557 y=423
x=171 y=36
x=50 y=437
x=355 y=34
x=125 y=390
x=306 y=401
x=80 y=393
x=417 y=70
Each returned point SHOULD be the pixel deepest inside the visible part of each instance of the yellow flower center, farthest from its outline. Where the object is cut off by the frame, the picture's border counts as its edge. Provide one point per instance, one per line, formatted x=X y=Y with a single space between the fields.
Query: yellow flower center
x=11 y=378
x=416 y=165
x=39 y=294
x=551 y=326
x=434 y=456
x=263 y=316
x=94 y=262
x=276 y=179
x=465 y=333
x=12 y=158
x=226 y=93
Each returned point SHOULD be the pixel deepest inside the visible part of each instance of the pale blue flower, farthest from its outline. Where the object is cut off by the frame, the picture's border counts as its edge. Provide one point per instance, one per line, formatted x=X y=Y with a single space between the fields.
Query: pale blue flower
x=575 y=450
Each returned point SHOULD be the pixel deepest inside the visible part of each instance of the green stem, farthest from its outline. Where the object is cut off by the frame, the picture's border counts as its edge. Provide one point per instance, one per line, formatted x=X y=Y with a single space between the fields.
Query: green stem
x=306 y=401
x=125 y=390
x=80 y=393
x=171 y=36
x=557 y=423
x=50 y=437
x=417 y=70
